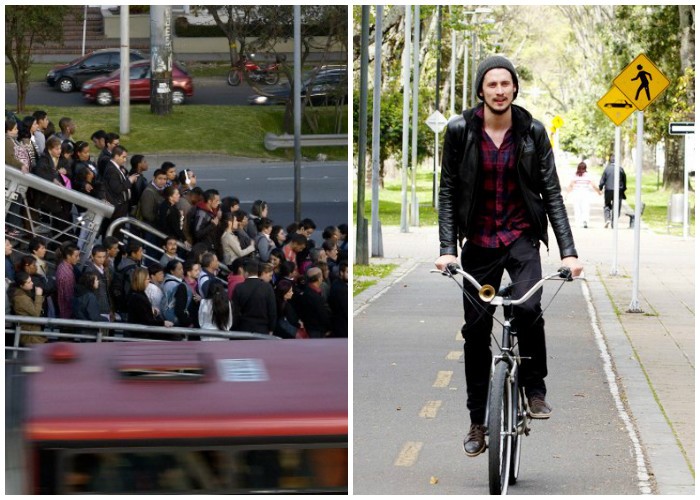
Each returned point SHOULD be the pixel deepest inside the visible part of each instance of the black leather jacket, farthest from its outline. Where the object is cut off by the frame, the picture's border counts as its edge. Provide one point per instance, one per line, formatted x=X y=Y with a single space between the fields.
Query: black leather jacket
x=537 y=179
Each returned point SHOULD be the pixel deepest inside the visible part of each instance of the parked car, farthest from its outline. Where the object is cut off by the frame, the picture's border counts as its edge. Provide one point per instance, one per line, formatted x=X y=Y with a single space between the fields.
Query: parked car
x=105 y=89
x=322 y=86
x=71 y=76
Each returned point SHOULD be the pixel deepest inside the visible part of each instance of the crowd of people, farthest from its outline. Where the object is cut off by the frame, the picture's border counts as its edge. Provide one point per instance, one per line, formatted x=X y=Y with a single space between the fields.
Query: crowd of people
x=221 y=268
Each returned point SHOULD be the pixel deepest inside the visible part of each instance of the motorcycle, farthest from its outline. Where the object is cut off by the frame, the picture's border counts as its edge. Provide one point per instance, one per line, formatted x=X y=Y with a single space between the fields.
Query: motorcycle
x=266 y=73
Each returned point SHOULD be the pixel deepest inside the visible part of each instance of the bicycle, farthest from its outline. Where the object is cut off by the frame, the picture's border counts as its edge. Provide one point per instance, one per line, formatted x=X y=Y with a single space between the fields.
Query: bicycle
x=507 y=411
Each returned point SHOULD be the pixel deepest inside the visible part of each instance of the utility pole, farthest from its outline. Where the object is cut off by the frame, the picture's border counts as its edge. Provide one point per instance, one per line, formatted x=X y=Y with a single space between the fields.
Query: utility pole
x=124 y=90
x=161 y=60
x=377 y=246
x=406 y=117
x=414 y=136
x=297 y=112
x=437 y=97
x=361 y=246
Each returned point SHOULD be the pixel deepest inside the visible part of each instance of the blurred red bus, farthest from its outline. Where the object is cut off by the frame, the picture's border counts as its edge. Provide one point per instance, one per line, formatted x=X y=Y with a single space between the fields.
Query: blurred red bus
x=246 y=416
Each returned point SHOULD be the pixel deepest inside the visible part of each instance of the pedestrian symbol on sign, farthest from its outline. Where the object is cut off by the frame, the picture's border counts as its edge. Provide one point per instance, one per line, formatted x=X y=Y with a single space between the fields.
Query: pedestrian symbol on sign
x=643 y=82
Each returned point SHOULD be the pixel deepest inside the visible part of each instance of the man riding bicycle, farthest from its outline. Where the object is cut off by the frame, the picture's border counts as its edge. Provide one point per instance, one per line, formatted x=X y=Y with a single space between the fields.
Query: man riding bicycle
x=498 y=187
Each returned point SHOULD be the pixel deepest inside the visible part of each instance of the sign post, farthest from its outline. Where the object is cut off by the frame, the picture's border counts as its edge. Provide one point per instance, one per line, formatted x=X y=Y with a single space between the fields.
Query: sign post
x=436 y=122
x=687 y=129
x=641 y=82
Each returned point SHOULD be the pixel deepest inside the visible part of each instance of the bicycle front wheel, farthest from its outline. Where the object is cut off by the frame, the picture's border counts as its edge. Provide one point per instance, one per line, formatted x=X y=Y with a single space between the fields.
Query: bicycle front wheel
x=500 y=427
x=520 y=428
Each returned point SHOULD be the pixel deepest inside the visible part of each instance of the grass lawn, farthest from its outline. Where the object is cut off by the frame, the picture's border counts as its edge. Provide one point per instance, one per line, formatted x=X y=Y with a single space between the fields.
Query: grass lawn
x=655 y=212
x=192 y=129
x=366 y=276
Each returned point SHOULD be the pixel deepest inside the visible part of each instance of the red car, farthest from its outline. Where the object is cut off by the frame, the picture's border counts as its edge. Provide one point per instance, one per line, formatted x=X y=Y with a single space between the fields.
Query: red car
x=104 y=90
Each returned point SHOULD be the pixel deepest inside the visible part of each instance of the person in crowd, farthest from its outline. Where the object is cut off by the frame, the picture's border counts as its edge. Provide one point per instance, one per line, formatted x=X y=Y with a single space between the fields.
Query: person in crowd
x=26 y=303
x=42 y=121
x=99 y=139
x=141 y=310
x=25 y=136
x=230 y=204
x=68 y=128
x=258 y=210
x=263 y=242
x=206 y=219
x=210 y=268
x=188 y=204
x=580 y=188
x=139 y=165
x=37 y=249
x=231 y=247
x=154 y=290
x=9 y=264
x=68 y=255
x=254 y=304
x=177 y=296
x=111 y=142
x=15 y=155
x=170 y=218
x=288 y=322
x=278 y=236
x=338 y=302
x=265 y=272
x=117 y=185
x=121 y=282
x=331 y=233
x=111 y=244
x=312 y=306
x=332 y=254
x=187 y=180
x=276 y=258
x=97 y=265
x=66 y=161
x=170 y=251
x=343 y=238
x=85 y=303
x=192 y=270
x=151 y=198
x=244 y=239
x=82 y=162
x=296 y=245
x=170 y=172
x=215 y=312
x=236 y=276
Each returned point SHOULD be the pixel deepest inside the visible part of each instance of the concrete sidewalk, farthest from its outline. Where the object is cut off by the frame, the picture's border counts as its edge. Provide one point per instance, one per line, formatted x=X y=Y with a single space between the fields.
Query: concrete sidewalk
x=653 y=352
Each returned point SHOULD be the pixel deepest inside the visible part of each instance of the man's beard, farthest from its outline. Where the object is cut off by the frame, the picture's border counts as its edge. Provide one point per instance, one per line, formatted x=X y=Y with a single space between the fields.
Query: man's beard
x=498 y=111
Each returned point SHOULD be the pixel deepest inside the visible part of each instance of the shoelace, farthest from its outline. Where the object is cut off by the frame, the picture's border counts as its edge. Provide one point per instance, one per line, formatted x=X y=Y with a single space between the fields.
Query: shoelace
x=475 y=432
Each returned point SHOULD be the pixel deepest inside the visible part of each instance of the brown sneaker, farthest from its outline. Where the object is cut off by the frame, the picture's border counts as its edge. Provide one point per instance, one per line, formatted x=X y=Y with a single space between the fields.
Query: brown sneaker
x=475 y=442
x=539 y=408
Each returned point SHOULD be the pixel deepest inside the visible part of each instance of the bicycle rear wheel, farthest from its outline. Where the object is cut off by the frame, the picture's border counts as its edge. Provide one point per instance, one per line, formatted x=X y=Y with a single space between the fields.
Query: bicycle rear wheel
x=500 y=435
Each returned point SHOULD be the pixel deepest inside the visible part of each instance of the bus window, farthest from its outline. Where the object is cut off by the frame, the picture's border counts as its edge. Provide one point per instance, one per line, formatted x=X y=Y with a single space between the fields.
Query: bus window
x=294 y=468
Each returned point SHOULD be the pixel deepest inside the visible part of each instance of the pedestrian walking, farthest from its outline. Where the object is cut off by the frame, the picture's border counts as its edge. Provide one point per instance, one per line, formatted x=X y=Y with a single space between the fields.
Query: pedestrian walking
x=607 y=182
x=498 y=188
x=580 y=188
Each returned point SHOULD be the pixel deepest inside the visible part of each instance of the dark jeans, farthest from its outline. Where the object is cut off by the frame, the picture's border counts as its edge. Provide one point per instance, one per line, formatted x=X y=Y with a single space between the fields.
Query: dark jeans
x=608 y=207
x=522 y=261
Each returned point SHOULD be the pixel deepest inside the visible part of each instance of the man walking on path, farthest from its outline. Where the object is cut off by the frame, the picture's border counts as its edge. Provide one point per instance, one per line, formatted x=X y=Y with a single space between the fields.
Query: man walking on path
x=498 y=188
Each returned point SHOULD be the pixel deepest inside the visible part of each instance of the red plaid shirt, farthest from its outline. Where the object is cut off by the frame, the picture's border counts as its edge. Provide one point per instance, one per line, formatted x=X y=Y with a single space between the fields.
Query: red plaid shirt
x=499 y=216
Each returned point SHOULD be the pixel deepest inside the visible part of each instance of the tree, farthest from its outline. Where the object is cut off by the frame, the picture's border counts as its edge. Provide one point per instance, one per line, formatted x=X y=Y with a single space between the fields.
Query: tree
x=26 y=26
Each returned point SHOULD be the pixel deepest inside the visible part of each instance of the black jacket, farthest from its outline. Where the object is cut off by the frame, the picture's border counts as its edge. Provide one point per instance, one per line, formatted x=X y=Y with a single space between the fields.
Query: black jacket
x=537 y=179
x=254 y=307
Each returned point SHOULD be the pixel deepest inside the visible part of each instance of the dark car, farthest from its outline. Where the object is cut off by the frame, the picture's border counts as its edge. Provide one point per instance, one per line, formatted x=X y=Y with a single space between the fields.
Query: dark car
x=620 y=103
x=71 y=76
x=104 y=90
x=323 y=86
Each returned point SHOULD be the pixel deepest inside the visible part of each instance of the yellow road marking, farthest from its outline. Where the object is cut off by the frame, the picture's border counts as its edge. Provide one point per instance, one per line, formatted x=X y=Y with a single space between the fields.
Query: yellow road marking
x=443 y=379
x=408 y=454
x=454 y=355
x=430 y=409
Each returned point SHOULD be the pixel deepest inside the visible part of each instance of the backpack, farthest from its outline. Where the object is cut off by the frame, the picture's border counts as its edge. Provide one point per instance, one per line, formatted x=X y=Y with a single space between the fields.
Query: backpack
x=120 y=287
x=167 y=306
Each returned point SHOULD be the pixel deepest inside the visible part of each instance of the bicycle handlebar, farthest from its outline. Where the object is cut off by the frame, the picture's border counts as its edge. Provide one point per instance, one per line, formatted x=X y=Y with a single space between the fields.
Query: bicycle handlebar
x=487 y=293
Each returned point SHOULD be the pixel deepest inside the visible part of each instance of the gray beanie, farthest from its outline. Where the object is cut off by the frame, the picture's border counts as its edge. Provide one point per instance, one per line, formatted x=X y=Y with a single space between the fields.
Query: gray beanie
x=490 y=63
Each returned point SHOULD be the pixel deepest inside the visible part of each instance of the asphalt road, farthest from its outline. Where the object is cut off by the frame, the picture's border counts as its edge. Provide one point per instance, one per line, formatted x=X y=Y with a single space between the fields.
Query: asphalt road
x=324 y=185
x=211 y=91
x=409 y=413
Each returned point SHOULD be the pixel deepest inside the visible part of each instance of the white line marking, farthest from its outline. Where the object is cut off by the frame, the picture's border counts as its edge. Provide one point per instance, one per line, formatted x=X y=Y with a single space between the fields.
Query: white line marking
x=384 y=290
x=642 y=472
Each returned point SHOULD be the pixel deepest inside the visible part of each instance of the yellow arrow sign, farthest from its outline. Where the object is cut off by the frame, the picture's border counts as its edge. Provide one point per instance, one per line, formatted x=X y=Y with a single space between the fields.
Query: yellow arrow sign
x=641 y=82
x=616 y=106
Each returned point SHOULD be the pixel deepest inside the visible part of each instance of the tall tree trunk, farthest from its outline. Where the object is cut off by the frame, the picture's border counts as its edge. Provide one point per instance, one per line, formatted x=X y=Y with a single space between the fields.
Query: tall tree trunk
x=673 y=175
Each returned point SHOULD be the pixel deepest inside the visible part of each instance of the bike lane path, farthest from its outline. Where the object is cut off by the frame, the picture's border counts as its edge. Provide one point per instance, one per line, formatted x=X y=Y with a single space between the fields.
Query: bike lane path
x=409 y=414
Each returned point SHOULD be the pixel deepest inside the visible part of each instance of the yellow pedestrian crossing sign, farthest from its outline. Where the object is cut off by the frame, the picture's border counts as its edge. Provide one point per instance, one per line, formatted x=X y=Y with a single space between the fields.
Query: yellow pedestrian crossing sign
x=616 y=106
x=641 y=82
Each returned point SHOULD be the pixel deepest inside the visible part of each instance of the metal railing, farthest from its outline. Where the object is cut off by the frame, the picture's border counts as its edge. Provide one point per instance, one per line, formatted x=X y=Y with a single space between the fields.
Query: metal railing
x=29 y=221
x=273 y=141
x=55 y=328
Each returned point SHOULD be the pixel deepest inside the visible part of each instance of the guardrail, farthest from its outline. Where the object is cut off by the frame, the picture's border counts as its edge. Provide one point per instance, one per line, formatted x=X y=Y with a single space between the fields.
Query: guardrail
x=273 y=141
x=105 y=331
